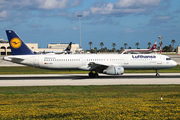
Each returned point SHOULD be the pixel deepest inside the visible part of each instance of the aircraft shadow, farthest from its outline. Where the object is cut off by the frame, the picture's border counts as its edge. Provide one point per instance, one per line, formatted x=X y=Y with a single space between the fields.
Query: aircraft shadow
x=82 y=77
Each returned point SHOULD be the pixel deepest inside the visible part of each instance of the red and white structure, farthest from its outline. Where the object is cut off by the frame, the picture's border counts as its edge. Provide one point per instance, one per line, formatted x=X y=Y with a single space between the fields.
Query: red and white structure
x=160 y=37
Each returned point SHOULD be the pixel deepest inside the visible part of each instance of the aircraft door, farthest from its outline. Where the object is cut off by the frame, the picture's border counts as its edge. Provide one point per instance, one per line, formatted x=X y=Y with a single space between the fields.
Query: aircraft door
x=83 y=61
x=159 y=60
x=36 y=61
x=126 y=61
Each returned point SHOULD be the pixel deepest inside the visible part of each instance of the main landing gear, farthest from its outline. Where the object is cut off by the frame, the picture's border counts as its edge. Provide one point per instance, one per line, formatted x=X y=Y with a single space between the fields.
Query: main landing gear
x=157 y=73
x=93 y=75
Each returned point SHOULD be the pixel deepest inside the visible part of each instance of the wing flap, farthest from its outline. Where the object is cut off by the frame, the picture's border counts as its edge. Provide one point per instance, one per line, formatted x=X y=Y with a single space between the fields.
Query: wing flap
x=94 y=65
x=99 y=67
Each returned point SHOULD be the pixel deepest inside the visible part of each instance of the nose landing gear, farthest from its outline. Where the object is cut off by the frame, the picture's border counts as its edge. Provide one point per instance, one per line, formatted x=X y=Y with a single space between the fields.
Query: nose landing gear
x=157 y=73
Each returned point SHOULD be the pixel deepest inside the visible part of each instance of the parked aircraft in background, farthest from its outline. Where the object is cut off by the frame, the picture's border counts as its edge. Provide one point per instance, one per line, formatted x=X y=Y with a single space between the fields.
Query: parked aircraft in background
x=3 y=41
x=79 y=51
x=141 y=51
x=111 y=64
x=66 y=51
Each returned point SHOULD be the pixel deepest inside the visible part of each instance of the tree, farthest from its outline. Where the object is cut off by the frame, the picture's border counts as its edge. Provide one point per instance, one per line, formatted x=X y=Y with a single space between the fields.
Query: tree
x=101 y=44
x=173 y=41
x=137 y=44
x=105 y=49
x=95 y=48
x=149 y=43
x=129 y=47
x=114 y=45
x=167 y=48
x=90 y=43
x=125 y=44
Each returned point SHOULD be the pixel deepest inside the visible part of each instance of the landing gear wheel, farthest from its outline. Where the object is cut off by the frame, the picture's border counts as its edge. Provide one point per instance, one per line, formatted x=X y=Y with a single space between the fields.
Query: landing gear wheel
x=157 y=73
x=96 y=75
x=93 y=75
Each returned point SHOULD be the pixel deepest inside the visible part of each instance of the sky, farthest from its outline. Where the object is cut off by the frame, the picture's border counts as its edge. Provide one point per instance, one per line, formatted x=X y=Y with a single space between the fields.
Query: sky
x=107 y=21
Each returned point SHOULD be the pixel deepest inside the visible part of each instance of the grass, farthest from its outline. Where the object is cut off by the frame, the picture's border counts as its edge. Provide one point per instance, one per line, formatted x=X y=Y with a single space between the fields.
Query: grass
x=89 y=89
x=31 y=70
x=90 y=102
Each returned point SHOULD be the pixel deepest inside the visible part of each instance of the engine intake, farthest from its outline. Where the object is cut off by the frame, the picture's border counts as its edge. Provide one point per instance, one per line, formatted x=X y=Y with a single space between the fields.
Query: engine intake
x=114 y=70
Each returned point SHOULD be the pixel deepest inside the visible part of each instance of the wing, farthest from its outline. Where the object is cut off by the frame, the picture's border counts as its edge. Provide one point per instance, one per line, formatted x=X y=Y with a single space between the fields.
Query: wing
x=98 y=67
x=94 y=66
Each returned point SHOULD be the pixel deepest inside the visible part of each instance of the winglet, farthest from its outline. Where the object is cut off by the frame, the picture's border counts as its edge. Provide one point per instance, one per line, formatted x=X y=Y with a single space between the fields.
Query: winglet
x=68 y=47
x=18 y=47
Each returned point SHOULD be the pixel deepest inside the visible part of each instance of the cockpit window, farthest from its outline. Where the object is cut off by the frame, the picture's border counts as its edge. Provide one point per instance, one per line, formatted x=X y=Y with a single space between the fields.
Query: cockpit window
x=168 y=58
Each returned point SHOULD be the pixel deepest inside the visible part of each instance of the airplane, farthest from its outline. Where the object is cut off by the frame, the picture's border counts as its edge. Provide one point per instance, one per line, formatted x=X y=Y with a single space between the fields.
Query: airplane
x=111 y=64
x=3 y=41
x=79 y=51
x=141 y=51
x=67 y=50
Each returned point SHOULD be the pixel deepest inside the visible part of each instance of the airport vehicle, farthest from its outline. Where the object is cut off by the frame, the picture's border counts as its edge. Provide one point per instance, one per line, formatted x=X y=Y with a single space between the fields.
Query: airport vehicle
x=66 y=51
x=141 y=51
x=111 y=64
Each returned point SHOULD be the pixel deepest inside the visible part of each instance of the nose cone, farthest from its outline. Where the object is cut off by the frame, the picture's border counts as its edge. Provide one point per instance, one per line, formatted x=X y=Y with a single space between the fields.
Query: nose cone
x=174 y=63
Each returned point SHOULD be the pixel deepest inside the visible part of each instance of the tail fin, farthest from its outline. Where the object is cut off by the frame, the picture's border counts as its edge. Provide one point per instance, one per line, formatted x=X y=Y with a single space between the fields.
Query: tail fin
x=153 y=47
x=68 y=47
x=18 y=47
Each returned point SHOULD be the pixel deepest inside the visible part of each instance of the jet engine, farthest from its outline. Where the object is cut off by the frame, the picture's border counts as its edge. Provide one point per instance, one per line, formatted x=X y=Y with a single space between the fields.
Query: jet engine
x=114 y=70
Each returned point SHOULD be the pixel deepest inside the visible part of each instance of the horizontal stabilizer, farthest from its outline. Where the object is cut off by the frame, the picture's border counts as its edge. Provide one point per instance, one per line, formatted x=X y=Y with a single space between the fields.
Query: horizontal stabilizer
x=13 y=58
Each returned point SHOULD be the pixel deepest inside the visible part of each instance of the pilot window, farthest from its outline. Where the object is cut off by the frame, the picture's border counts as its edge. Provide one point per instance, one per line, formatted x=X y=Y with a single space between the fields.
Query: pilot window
x=168 y=58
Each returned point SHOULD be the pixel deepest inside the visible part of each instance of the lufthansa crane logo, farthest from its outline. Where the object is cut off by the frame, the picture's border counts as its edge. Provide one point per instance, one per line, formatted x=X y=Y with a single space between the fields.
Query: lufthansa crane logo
x=15 y=43
x=69 y=47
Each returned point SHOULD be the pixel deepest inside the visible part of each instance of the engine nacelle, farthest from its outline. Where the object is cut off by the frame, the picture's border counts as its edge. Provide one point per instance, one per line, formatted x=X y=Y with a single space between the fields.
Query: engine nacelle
x=114 y=70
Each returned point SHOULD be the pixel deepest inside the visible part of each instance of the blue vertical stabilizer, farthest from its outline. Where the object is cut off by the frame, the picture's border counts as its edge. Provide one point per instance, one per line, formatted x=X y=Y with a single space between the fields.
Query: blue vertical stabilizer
x=68 y=47
x=18 y=47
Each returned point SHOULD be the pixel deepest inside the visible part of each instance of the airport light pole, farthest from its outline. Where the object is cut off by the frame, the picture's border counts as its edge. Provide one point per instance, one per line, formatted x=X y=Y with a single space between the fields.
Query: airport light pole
x=160 y=37
x=79 y=28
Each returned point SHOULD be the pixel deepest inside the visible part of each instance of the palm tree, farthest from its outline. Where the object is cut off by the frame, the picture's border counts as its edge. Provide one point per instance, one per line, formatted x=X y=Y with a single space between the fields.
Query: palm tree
x=137 y=44
x=173 y=41
x=125 y=44
x=101 y=44
x=105 y=49
x=149 y=43
x=95 y=48
x=114 y=45
x=90 y=43
x=170 y=48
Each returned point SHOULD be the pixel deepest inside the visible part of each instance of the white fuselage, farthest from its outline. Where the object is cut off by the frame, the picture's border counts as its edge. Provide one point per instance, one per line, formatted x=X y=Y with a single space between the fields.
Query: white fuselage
x=81 y=61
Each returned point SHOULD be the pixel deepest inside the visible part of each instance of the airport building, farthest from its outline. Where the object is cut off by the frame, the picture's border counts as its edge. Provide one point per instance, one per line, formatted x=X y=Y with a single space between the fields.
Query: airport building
x=178 y=50
x=6 y=50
